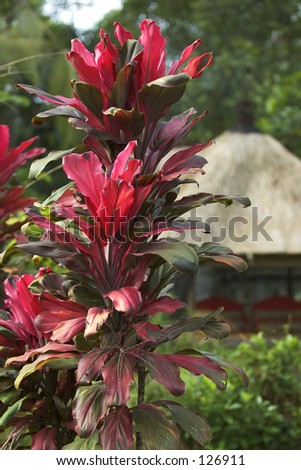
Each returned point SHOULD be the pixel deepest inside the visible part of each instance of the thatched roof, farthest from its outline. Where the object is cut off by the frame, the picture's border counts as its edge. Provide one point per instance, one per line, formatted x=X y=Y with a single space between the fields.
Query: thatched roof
x=260 y=167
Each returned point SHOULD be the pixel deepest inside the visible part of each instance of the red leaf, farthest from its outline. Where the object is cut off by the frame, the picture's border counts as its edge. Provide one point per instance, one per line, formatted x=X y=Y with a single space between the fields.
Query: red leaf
x=4 y=140
x=185 y=160
x=154 y=57
x=163 y=304
x=49 y=347
x=199 y=366
x=64 y=319
x=184 y=56
x=44 y=440
x=121 y=33
x=90 y=366
x=122 y=161
x=117 y=430
x=126 y=299
x=117 y=375
x=165 y=372
x=84 y=63
x=144 y=328
x=86 y=170
x=197 y=65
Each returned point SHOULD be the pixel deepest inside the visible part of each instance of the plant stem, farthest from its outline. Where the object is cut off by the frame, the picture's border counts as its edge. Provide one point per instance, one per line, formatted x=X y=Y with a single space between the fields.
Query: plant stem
x=140 y=399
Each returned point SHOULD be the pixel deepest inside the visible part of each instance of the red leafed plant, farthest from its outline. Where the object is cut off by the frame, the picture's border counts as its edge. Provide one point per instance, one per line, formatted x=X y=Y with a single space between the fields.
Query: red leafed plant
x=10 y=196
x=79 y=345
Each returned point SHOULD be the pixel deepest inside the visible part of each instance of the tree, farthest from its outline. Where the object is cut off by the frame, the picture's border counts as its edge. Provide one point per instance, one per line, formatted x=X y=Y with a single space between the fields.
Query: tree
x=257 y=57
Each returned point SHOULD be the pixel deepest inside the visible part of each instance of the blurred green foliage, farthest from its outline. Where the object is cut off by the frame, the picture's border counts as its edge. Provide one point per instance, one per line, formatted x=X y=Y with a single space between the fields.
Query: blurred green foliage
x=266 y=414
x=257 y=51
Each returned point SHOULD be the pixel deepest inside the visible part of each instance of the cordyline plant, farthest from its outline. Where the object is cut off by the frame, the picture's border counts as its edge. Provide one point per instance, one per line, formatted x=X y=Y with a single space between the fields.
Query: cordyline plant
x=11 y=199
x=78 y=346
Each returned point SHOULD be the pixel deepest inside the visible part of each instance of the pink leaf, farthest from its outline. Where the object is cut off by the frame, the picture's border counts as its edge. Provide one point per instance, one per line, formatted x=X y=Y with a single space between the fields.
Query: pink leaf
x=184 y=56
x=84 y=63
x=121 y=33
x=117 y=430
x=4 y=140
x=154 y=58
x=122 y=160
x=144 y=328
x=44 y=440
x=163 y=304
x=24 y=305
x=197 y=65
x=96 y=317
x=49 y=347
x=126 y=299
x=86 y=170
x=64 y=319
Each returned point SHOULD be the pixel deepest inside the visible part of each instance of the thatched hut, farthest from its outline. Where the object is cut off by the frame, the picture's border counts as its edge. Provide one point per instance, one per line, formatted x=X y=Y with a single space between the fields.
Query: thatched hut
x=267 y=234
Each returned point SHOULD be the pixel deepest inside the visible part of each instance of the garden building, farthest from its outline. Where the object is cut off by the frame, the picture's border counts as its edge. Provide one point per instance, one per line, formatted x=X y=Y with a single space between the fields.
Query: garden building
x=267 y=234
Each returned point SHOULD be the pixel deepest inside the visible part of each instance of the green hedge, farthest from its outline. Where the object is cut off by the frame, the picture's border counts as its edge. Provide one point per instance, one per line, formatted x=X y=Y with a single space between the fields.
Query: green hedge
x=266 y=414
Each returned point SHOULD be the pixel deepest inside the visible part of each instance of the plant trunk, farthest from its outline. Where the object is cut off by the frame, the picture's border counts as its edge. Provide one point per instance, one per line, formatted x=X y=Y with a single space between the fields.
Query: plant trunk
x=140 y=399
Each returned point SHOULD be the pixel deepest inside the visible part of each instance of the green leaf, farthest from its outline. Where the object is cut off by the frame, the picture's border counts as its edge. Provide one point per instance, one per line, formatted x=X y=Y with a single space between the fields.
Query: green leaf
x=5 y=383
x=7 y=372
x=119 y=92
x=65 y=111
x=131 y=122
x=221 y=254
x=63 y=360
x=39 y=165
x=57 y=193
x=130 y=50
x=88 y=408
x=32 y=90
x=157 y=431
x=191 y=421
x=9 y=396
x=9 y=251
x=185 y=326
x=86 y=295
x=228 y=365
x=178 y=254
x=84 y=443
x=202 y=199
x=48 y=249
x=156 y=97
x=217 y=329
x=91 y=97
x=11 y=411
x=63 y=364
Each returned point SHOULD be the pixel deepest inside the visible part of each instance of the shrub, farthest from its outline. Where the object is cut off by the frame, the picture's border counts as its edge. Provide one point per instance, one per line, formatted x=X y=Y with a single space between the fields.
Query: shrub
x=267 y=414
x=76 y=342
